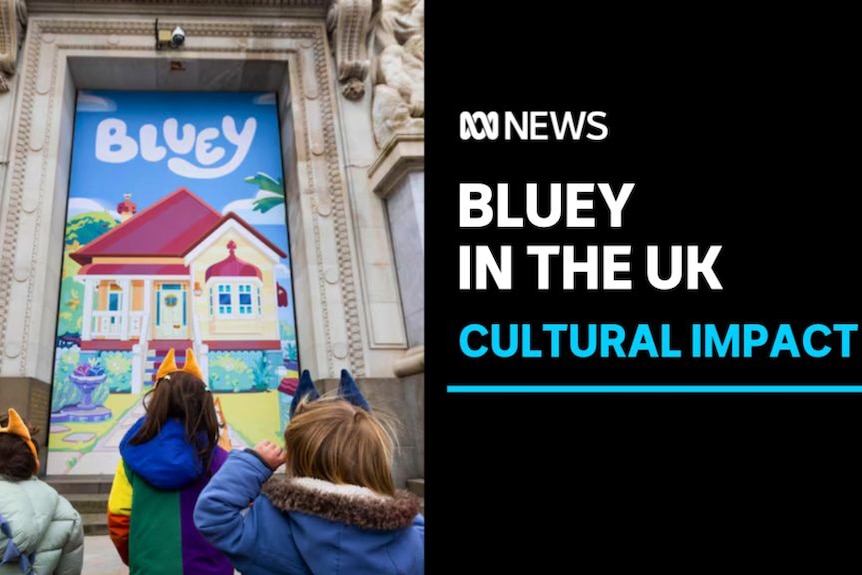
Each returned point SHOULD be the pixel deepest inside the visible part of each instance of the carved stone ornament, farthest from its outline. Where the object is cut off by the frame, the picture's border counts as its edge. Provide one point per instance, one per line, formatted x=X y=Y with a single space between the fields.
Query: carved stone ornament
x=262 y=8
x=399 y=71
x=13 y=18
x=348 y=23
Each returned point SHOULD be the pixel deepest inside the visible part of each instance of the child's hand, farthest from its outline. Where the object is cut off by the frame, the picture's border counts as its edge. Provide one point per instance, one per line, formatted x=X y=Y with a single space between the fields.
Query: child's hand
x=272 y=454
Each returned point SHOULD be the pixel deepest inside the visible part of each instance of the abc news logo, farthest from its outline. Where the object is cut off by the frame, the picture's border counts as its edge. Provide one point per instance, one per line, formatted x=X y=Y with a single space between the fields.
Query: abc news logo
x=533 y=126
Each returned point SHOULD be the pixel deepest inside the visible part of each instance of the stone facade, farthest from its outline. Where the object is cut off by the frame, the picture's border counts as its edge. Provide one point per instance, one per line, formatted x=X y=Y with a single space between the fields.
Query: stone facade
x=357 y=307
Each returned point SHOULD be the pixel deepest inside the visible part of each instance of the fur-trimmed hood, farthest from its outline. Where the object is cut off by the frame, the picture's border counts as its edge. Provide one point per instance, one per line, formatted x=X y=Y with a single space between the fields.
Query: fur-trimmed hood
x=350 y=504
x=306 y=526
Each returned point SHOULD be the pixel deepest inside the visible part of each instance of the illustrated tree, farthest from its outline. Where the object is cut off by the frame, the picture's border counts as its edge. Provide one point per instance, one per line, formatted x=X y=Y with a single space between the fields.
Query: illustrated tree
x=273 y=192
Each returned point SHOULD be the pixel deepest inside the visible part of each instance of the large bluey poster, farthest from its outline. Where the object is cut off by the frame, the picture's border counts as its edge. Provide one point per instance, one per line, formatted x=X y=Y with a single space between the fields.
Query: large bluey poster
x=176 y=237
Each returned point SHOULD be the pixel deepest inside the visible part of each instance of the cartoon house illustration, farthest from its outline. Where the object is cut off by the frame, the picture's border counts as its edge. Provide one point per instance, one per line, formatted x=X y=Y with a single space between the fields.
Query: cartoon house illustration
x=179 y=274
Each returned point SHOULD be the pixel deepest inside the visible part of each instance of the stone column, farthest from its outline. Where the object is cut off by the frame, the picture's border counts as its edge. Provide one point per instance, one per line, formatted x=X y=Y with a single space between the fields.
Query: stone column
x=381 y=135
x=7 y=112
x=383 y=333
x=16 y=392
x=30 y=396
x=397 y=174
x=13 y=18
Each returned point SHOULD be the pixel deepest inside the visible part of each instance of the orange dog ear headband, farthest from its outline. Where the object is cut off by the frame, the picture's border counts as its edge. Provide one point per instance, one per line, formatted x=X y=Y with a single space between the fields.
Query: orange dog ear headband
x=16 y=427
x=169 y=365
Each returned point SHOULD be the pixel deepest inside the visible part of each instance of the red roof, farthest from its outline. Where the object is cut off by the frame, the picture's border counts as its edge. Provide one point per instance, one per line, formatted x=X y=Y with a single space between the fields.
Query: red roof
x=135 y=269
x=171 y=227
x=232 y=266
x=247 y=226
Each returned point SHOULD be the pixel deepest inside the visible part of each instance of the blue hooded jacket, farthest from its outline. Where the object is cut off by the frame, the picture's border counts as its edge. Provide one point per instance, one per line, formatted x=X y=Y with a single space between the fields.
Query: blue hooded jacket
x=167 y=461
x=305 y=525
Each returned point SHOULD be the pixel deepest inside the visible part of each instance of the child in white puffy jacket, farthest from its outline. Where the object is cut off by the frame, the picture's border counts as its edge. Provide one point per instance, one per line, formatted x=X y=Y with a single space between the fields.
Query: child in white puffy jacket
x=40 y=531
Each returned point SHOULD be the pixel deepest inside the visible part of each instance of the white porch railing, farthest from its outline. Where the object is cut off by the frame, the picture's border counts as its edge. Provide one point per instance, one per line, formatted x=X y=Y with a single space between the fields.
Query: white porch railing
x=110 y=324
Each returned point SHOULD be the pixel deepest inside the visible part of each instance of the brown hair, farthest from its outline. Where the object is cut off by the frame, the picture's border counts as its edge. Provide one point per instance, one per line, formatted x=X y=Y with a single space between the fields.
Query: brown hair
x=181 y=395
x=333 y=440
x=16 y=459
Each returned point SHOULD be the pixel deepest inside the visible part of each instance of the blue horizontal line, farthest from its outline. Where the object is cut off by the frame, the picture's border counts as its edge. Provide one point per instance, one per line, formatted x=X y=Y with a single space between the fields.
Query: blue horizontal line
x=654 y=388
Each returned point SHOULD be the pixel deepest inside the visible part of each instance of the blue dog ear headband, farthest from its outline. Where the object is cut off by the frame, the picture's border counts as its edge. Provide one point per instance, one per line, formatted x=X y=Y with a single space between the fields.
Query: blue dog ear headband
x=347 y=390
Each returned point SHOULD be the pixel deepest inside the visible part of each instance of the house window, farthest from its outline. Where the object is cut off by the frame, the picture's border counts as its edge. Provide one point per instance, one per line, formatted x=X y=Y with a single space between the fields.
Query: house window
x=115 y=298
x=235 y=300
x=225 y=300
x=244 y=299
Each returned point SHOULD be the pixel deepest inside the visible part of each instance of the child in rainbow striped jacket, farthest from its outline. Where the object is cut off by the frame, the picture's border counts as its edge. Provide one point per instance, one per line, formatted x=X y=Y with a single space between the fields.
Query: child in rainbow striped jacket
x=167 y=457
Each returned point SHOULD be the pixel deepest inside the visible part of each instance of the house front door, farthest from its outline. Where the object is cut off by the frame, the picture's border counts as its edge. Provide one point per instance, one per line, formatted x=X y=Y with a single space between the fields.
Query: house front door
x=171 y=312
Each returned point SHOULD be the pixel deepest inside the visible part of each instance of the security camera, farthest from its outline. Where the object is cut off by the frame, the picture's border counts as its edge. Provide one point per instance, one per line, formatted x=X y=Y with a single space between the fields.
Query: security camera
x=167 y=39
x=178 y=37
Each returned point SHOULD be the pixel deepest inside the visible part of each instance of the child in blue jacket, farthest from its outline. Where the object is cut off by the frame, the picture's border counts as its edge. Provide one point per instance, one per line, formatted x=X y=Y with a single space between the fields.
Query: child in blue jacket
x=335 y=510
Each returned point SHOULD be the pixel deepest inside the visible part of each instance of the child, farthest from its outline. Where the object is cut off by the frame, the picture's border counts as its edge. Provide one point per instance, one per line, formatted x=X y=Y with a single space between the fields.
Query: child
x=40 y=531
x=167 y=457
x=334 y=511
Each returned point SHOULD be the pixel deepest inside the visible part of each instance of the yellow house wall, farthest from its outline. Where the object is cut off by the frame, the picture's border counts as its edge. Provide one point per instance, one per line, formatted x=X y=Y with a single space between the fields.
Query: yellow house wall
x=265 y=327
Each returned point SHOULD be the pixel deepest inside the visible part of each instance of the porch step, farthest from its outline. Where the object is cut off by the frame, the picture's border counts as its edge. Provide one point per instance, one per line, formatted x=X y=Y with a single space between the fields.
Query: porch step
x=159 y=349
x=88 y=494
x=89 y=502
x=180 y=345
x=70 y=484
x=95 y=523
